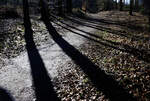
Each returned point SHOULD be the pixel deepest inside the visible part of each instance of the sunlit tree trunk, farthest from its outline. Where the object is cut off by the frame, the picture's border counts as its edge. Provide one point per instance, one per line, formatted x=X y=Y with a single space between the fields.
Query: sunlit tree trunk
x=84 y=4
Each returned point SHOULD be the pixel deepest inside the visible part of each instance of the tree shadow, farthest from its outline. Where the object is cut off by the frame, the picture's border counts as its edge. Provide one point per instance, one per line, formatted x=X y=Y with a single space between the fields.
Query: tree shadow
x=5 y=95
x=140 y=54
x=99 y=25
x=126 y=24
x=43 y=86
x=102 y=81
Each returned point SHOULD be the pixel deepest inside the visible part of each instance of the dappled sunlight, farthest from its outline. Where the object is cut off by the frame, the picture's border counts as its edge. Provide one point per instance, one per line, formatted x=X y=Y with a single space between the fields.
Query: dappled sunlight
x=74 y=50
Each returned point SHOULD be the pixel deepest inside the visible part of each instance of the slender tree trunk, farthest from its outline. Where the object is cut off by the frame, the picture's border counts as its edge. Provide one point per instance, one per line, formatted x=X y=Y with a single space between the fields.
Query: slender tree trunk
x=137 y=5
x=69 y=6
x=116 y=4
x=131 y=7
x=44 y=10
x=149 y=20
x=60 y=12
x=27 y=22
x=146 y=4
x=84 y=4
x=121 y=5
x=107 y=5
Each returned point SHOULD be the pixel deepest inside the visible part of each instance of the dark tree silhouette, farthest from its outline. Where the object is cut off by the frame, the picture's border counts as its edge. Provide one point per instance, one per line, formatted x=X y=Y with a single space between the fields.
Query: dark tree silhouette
x=60 y=12
x=137 y=5
x=43 y=86
x=116 y=4
x=147 y=5
x=131 y=7
x=121 y=5
x=44 y=10
x=69 y=6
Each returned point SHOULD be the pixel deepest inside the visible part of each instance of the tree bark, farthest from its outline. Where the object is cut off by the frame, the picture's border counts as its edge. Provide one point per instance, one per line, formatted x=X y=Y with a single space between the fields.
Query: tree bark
x=116 y=4
x=121 y=5
x=84 y=5
x=27 y=22
x=44 y=10
x=149 y=21
x=69 y=6
x=137 y=5
x=60 y=11
x=146 y=4
x=131 y=7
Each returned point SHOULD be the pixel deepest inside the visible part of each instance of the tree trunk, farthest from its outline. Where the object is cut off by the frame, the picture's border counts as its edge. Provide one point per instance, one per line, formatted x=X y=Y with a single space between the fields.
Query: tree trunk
x=84 y=4
x=44 y=10
x=149 y=21
x=137 y=5
x=116 y=4
x=146 y=4
x=60 y=11
x=69 y=6
x=131 y=7
x=121 y=5
x=27 y=22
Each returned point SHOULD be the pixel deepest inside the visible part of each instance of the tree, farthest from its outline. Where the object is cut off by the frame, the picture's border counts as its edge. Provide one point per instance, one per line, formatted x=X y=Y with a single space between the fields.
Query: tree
x=60 y=12
x=121 y=5
x=131 y=7
x=84 y=4
x=95 y=5
x=147 y=6
x=44 y=10
x=69 y=6
x=137 y=5
x=116 y=4
x=27 y=22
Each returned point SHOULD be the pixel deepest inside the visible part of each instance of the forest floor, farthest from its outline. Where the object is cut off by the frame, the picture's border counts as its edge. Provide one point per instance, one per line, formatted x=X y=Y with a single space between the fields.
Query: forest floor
x=114 y=41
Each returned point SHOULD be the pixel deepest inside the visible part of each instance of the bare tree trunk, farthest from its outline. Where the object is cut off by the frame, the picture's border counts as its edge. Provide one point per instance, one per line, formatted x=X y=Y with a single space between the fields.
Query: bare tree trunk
x=60 y=13
x=84 y=4
x=137 y=5
x=69 y=6
x=146 y=4
x=149 y=21
x=44 y=10
x=121 y=5
x=27 y=22
x=131 y=7
x=116 y=4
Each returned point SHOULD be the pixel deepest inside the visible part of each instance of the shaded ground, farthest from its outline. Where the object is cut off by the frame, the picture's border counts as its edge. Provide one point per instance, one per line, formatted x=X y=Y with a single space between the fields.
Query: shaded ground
x=115 y=42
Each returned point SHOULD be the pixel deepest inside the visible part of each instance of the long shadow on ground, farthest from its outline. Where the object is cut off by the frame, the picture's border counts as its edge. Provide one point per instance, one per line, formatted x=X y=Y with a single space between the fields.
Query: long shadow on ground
x=43 y=86
x=5 y=96
x=140 y=54
x=127 y=24
x=102 y=81
x=100 y=26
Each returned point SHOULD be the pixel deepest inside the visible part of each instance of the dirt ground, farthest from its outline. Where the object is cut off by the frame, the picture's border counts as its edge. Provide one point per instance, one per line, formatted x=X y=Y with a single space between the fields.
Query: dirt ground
x=106 y=55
